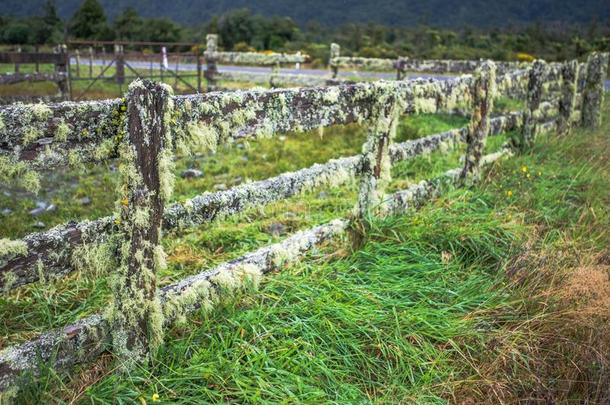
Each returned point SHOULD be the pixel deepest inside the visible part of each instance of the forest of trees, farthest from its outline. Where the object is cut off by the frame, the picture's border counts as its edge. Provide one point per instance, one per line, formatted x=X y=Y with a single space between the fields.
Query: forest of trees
x=241 y=29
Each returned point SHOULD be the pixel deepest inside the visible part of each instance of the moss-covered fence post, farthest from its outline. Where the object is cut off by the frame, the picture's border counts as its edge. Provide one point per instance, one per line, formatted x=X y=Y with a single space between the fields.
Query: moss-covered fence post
x=569 y=77
x=538 y=73
x=335 y=52
x=484 y=93
x=375 y=164
x=593 y=92
x=210 y=60
x=145 y=168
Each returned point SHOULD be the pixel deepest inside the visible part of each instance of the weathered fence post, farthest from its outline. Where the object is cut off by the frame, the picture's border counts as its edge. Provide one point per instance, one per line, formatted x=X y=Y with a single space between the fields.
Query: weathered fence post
x=535 y=86
x=90 y=62
x=120 y=64
x=77 y=58
x=63 y=69
x=199 y=68
x=17 y=64
x=375 y=163
x=593 y=92
x=335 y=52
x=146 y=183
x=275 y=71
x=37 y=67
x=478 y=129
x=210 y=60
x=400 y=65
x=569 y=77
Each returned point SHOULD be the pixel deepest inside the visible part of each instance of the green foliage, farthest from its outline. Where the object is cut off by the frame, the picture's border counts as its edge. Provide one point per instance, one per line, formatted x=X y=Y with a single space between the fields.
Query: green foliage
x=241 y=26
x=89 y=22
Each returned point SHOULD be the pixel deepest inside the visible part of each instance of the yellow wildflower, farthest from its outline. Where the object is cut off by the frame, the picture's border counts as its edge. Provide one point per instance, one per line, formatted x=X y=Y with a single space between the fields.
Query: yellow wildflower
x=524 y=169
x=125 y=202
x=529 y=175
x=509 y=193
x=155 y=397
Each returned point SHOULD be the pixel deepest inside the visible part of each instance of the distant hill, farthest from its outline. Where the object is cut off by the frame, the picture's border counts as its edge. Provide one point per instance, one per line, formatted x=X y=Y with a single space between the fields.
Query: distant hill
x=444 y=13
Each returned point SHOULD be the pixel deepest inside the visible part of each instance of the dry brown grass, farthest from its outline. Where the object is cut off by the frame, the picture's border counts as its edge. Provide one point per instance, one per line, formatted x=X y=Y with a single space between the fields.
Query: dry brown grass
x=555 y=349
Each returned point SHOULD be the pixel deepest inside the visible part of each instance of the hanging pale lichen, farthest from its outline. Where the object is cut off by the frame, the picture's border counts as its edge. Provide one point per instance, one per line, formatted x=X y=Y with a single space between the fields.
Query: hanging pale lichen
x=206 y=293
x=569 y=79
x=8 y=280
x=146 y=182
x=537 y=77
x=594 y=89
x=375 y=162
x=18 y=174
x=96 y=259
x=10 y=247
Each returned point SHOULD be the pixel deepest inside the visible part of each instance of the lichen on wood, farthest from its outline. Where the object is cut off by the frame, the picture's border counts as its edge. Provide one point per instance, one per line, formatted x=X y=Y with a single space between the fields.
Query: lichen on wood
x=537 y=77
x=479 y=127
x=594 y=89
x=569 y=77
x=375 y=163
x=60 y=248
x=135 y=313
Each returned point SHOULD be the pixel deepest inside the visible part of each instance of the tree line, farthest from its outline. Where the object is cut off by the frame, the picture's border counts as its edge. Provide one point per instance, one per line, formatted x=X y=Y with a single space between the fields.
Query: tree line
x=242 y=30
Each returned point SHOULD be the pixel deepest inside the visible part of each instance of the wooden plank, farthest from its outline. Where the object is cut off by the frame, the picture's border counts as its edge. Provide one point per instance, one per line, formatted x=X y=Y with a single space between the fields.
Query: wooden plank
x=87 y=126
x=135 y=307
x=12 y=78
x=30 y=57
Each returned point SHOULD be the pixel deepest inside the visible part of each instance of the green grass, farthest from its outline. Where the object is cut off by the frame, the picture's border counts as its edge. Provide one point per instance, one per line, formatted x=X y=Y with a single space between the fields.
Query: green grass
x=420 y=313
x=376 y=325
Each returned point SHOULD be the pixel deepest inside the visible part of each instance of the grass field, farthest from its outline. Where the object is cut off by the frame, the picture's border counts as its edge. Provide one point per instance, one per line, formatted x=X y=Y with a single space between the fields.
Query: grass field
x=494 y=294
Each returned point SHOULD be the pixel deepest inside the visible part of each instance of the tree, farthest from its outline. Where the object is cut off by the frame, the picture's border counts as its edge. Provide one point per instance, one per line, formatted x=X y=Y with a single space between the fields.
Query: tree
x=128 y=25
x=16 y=33
x=49 y=28
x=238 y=26
x=161 y=30
x=89 y=21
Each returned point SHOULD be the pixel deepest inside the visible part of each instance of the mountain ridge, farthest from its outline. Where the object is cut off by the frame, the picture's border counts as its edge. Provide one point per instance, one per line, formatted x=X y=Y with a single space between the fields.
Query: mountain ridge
x=441 y=13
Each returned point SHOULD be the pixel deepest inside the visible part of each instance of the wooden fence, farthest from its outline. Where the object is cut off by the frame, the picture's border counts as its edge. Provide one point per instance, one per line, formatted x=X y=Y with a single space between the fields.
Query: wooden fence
x=155 y=60
x=403 y=65
x=213 y=57
x=143 y=131
x=60 y=76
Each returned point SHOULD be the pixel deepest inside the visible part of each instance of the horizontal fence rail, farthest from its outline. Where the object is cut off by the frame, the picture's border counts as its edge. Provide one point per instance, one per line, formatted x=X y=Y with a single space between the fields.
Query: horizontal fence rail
x=48 y=135
x=145 y=129
x=55 y=248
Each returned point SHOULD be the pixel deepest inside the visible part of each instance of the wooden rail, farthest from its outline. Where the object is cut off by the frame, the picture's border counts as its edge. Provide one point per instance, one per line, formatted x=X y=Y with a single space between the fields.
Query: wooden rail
x=143 y=131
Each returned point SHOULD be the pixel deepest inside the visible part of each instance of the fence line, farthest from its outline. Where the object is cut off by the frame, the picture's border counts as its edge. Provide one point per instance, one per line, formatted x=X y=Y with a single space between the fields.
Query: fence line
x=151 y=124
x=64 y=240
x=61 y=75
